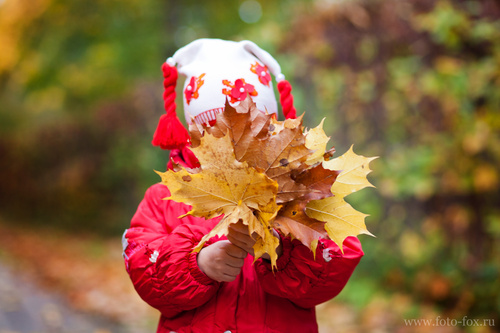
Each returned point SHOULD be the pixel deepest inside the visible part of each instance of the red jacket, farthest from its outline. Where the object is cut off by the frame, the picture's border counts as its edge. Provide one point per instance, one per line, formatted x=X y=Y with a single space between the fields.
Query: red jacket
x=159 y=258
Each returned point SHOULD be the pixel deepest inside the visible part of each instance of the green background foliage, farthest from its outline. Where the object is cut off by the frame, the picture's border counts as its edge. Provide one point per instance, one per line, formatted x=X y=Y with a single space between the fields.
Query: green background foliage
x=416 y=82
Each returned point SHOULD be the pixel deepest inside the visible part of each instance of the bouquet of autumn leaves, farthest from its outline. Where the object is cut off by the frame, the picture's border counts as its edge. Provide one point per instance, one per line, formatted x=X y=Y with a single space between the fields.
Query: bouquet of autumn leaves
x=270 y=174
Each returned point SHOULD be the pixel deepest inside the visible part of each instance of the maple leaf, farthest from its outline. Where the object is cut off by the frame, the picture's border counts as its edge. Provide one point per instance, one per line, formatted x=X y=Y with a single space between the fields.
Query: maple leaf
x=342 y=220
x=318 y=180
x=292 y=219
x=266 y=243
x=244 y=123
x=316 y=140
x=225 y=186
x=196 y=131
x=280 y=154
x=354 y=168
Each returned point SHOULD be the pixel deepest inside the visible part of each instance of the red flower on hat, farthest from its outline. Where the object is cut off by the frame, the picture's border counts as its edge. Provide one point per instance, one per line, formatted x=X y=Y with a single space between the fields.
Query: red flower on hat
x=191 y=91
x=239 y=90
x=262 y=72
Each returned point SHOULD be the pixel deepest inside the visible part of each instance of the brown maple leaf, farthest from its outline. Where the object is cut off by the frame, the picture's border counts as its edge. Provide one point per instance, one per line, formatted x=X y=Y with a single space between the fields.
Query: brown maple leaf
x=244 y=123
x=279 y=155
x=318 y=180
x=292 y=218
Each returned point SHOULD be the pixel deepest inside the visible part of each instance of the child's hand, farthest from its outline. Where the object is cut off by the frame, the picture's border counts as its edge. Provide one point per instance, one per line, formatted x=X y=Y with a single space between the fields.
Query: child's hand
x=221 y=261
x=239 y=236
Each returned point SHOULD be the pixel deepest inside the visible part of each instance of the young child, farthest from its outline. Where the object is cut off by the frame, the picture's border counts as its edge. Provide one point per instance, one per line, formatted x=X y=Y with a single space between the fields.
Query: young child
x=220 y=289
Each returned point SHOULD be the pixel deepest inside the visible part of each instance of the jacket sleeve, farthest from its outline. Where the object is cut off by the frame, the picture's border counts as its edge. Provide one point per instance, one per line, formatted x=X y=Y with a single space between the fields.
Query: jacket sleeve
x=158 y=255
x=309 y=281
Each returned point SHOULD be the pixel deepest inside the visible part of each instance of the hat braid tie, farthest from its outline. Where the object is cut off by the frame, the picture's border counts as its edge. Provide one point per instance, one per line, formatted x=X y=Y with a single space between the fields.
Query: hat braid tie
x=286 y=99
x=170 y=132
x=170 y=76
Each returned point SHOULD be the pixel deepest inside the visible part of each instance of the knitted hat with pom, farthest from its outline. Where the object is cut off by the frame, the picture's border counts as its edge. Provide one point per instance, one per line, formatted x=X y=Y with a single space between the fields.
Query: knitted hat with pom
x=218 y=70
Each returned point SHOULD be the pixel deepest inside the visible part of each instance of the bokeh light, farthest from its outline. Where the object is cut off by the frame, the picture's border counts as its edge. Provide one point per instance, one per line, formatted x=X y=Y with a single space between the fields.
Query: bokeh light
x=250 y=11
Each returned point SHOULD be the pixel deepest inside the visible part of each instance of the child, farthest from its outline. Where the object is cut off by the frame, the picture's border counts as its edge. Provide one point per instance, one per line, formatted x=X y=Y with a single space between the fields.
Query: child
x=220 y=289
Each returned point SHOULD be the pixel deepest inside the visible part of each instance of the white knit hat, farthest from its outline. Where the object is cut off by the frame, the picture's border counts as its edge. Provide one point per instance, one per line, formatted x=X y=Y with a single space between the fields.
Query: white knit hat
x=218 y=70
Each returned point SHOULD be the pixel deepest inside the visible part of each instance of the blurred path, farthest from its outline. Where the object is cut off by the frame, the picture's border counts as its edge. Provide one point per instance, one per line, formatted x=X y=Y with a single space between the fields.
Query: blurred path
x=24 y=308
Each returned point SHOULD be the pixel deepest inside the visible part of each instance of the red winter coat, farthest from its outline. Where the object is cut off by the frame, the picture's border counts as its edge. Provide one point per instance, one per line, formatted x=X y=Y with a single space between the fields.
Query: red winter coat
x=159 y=258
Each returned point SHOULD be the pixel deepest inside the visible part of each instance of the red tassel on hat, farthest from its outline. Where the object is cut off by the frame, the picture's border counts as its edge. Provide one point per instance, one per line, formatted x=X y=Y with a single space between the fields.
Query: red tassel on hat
x=286 y=99
x=170 y=133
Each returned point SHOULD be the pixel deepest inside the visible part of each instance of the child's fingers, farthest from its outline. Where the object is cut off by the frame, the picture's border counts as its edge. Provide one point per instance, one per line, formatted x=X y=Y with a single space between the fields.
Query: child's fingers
x=244 y=246
x=234 y=262
x=241 y=240
x=231 y=271
x=221 y=261
x=227 y=278
x=235 y=251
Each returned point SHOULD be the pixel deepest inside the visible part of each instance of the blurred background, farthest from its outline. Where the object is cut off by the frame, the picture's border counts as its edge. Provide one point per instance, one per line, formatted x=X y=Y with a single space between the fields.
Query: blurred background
x=416 y=82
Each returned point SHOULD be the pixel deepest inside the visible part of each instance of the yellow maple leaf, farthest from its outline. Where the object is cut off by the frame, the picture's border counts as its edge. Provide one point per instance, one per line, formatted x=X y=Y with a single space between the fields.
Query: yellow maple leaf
x=342 y=220
x=225 y=186
x=316 y=140
x=354 y=169
x=266 y=243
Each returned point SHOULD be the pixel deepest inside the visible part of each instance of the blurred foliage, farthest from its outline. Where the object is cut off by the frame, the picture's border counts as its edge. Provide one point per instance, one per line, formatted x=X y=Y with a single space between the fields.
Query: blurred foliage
x=72 y=109
x=416 y=82
x=80 y=91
